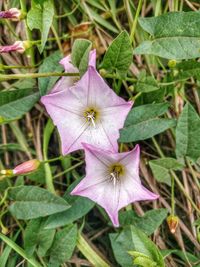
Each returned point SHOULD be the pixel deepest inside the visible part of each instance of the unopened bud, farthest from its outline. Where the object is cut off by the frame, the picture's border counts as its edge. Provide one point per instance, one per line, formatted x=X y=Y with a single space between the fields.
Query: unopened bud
x=131 y=88
x=13 y=14
x=18 y=46
x=4 y=230
x=172 y=63
x=102 y=72
x=26 y=167
x=172 y=222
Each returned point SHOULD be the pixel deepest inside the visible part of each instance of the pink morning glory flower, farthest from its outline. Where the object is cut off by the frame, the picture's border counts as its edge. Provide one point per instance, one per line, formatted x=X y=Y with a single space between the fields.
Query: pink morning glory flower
x=13 y=13
x=112 y=180
x=88 y=111
x=18 y=46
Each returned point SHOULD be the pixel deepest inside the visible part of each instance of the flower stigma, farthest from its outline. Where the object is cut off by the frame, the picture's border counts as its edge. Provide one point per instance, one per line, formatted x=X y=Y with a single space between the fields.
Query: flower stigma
x=91 y=116
x=115 y=172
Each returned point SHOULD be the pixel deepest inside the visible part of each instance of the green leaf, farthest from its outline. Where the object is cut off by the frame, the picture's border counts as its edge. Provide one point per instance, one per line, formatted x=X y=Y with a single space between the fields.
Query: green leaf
x=148 y=223
x=187 y=134
x=189 y=69
x=41 y=17
x=63 y=245
x=36 y=237
x=176 y=35
x=144 y=245
x=121 y=244
x=33 y=202
x=80 y=206
x=132 y=239
x=142 y=122
x=142 y=260
x=146 y=84
x=15 y=105
x=34 y=17
x=80 y=54
x=50 y=64
x=161 y=168
x=119 y=55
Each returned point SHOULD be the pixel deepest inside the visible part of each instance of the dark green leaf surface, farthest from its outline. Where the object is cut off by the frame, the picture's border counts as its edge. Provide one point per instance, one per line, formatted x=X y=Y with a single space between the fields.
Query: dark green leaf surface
x=41 y=17
x=189 y=69
x=133 y=239
x=176 y=35
x=33 y=202
x=148 y=223
x=16 y=108
x=80 y=54
x=36 y=237
x=187 y=133
x=119 y=55
x=142 y=123
x=63 y=245
x=146 y=85
x=80 y=206
x=50 y=64
x=161 y=168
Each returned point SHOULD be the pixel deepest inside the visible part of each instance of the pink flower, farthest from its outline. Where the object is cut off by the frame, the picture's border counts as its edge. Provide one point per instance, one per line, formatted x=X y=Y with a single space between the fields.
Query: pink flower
x=26 y=167
x=18 y=46
x=87 y=112
x=13 y=13
x=112 y=180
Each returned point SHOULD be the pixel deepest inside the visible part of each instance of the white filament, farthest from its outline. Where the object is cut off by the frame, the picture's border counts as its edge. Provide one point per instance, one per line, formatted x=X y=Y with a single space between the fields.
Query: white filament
x=91 y=117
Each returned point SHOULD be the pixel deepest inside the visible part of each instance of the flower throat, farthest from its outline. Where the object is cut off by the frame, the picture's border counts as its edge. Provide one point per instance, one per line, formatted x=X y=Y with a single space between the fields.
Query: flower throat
x=91 y=116
x=115 y=172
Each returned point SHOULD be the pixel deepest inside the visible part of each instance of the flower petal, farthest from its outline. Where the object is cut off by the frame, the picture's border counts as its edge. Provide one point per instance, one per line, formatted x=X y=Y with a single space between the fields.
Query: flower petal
x=131 y=160
x=66 y=82
x=113 y=119
x=97 y=92
x=132 y=190
x=66 y=113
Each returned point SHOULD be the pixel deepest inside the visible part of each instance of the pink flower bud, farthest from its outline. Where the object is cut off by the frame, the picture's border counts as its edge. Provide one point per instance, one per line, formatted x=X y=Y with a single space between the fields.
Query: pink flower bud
x=26 y=167
x=18 y=46
x=13 y=14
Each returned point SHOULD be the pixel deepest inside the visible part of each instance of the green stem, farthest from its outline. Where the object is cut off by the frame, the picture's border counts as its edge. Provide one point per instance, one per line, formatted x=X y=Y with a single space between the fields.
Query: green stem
x=172 y=196
x=48 y=175
x=5 y=77
x=57 y=38
x=135 y=21
x=28 y=32
x=19 y=250
x=89 y=253
x=69 y=169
